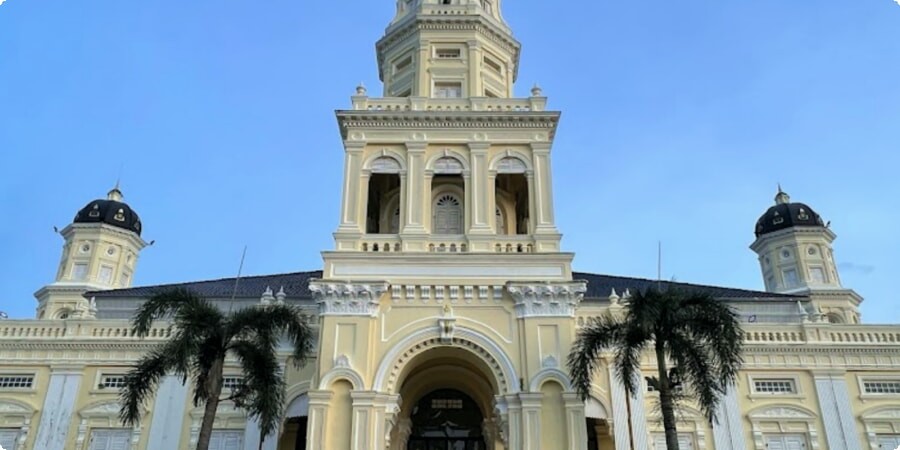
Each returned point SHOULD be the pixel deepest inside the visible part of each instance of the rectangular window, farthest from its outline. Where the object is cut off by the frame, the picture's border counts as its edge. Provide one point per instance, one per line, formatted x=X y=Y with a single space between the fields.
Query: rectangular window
x=110 y=439
x=9 y=437
x=403 y=64
x=790 y=278
x=105 y=275
x=226 y=440
x=447 y=90
x=112 y=382
x=124 y=279
x=16 y=381
x=817 y=275
x=79 y=271
x=881 y=386
x=775 y=386
x=650 y=388
x=685 y=441
x=232 y=382
x=493 y=65
x=447 y=53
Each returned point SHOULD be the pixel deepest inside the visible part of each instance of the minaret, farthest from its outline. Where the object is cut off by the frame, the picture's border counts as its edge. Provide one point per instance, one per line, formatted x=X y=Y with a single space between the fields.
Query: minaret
x=100 y=252
x=795 y=253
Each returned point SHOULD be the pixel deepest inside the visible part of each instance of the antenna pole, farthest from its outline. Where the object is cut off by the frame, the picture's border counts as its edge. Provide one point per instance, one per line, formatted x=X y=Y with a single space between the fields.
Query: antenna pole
x=238 y=279
x=659 y=266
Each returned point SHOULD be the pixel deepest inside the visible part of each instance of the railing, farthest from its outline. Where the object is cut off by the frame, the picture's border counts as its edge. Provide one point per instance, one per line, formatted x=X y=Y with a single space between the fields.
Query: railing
x=399 y=104
x=807 y=333
x=75 y=329
x=376 y=243
x=514 y=244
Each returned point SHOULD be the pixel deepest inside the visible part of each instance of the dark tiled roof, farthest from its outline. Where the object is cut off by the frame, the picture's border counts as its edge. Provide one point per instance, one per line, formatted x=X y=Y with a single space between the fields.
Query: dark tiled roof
x=296 y=285
x=600 y=286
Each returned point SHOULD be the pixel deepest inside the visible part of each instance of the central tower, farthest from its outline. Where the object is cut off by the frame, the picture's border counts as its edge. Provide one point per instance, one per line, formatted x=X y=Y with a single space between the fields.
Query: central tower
x=447 y=161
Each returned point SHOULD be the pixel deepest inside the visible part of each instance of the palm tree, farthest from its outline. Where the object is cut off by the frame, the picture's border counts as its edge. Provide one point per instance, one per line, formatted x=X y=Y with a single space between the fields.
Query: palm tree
x=697 y=333
x=203 y=336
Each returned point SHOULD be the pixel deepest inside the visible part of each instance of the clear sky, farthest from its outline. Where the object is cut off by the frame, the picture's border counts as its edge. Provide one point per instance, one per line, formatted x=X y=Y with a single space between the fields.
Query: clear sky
x=679 y=118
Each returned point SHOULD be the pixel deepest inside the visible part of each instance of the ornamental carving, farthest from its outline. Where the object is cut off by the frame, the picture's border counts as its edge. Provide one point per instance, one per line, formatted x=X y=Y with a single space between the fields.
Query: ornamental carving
x=348 y=299
x=552 y=299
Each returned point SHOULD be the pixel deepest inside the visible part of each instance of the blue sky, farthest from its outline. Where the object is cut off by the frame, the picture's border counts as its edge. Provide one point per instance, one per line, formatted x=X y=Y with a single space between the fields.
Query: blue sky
x=679 y=118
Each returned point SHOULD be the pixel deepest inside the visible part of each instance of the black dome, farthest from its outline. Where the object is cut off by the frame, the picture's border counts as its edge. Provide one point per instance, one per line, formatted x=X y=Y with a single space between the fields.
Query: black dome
x=787 y=215
x=111 y=211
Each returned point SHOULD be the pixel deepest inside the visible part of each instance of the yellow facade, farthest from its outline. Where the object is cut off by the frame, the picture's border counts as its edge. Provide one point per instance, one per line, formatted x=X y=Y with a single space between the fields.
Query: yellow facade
x=446 y=309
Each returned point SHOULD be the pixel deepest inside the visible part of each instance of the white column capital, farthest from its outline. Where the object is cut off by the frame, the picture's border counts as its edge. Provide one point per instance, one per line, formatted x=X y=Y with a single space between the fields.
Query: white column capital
x=348 y=299
x=552 y=299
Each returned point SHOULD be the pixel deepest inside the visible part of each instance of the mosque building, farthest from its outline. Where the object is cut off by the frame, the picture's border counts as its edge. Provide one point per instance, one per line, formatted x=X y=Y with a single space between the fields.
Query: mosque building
x=447 y=307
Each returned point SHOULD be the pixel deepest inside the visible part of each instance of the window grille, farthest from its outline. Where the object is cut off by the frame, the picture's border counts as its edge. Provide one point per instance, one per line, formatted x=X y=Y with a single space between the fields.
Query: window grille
x=16 y=381
x=771 y=386
x=112 y=382
x=881 y=386
x=232 y=382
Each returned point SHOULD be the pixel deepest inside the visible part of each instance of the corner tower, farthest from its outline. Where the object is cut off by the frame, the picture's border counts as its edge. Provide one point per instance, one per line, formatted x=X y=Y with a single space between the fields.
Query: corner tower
x=796 y=256
x=101 y=249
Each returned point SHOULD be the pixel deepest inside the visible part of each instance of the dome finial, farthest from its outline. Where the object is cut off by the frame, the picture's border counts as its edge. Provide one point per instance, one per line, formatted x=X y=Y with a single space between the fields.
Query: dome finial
x=781 y=198
x=115 y=194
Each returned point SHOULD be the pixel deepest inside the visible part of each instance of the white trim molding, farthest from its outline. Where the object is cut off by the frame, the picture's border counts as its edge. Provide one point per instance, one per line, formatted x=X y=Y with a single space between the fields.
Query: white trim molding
x=348 y=299
x=783 y=419
x=549 y=299
x=880 y=420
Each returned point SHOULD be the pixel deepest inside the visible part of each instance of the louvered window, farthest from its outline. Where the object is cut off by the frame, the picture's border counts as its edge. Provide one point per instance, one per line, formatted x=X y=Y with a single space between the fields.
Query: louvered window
x=881 y=386
x=110 y=439
x=448 y=215
x=9 y=438
x=785 y=442
x=226 y=440
x=16 y=381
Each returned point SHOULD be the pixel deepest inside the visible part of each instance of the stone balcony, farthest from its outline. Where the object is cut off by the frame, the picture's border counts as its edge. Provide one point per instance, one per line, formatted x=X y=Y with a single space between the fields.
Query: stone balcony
x=393 y=243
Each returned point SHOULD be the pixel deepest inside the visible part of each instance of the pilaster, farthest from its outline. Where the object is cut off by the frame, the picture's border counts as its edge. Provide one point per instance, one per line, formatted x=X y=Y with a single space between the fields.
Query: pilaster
x=59 y=405
x=416 y=190
x=351 y=204
x=544 y=221
x=531 y=421
x=168 y=413
x=575 y=420
x=374 y=416
x=318 y=417
x=629 y=418
x=728 y=428
x=480 y=190
x=476 y=88
x=837 y=412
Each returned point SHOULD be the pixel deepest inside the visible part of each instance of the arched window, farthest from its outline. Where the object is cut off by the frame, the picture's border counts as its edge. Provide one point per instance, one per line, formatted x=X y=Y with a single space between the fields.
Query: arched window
x=448 y=215
x=511 y=165
x=385 y=164
x=448 y=165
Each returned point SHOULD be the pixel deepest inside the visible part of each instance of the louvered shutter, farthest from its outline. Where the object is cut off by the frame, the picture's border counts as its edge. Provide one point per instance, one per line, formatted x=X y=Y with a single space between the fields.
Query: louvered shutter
x=8 y=438
x=226 y=440
x=685 y=442
x=120 y=440
x=794 y=443
x=889 y=442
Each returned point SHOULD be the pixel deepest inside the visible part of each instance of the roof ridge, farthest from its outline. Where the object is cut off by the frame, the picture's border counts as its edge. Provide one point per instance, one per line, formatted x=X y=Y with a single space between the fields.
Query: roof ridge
x=216 y=280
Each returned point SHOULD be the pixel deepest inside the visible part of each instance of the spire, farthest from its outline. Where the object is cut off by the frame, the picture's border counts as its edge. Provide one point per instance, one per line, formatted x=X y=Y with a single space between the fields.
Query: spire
x=782 y=198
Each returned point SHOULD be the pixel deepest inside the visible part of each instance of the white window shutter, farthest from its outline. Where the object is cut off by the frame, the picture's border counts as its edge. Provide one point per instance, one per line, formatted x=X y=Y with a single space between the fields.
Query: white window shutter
x=8 y=438
x=120 y=440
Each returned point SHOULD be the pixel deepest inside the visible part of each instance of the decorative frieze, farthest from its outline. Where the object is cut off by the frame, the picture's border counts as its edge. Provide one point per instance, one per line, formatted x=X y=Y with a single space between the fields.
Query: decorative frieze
x=552 y=299
x=348 y=299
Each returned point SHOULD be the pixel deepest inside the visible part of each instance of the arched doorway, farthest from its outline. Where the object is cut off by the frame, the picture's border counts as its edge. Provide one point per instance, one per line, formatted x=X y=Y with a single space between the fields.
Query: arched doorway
x=446 y=419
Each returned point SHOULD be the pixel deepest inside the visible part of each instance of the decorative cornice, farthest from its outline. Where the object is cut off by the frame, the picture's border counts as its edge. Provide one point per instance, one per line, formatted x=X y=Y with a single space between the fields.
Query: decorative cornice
x=554 y=299
x=347 y=299
x=467 y=120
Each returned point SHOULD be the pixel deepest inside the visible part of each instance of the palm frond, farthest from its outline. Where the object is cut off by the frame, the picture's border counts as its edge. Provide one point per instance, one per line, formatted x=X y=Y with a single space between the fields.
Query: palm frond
x=263 y=391
x=267 y=324
x=141 y=382
x=584 y=357
x=697 y=365
x=161 y=304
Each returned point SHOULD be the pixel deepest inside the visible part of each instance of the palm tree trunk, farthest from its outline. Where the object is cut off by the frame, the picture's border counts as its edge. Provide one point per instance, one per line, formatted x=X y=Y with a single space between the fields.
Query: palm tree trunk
x=214 y=390
x=666 y=401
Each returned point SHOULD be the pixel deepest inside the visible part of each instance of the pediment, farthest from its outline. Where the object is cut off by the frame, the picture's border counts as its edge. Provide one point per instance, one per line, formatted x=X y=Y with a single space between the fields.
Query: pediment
x=891 y=414
x=781 y=412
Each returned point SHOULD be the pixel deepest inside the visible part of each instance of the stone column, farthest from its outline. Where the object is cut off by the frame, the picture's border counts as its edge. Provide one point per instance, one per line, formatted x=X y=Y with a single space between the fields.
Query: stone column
x=508 y=420
x=475 y=86
x=168 y=413
x=479 y=187
x=59 y=406
x=374 y=415
x=576 y=421
x=837 y=412
x=416 y=190
x=318 y=419
x=351 y=205
x=423 y=82
x=728 y=429
x=531 y=421
x=543 y=216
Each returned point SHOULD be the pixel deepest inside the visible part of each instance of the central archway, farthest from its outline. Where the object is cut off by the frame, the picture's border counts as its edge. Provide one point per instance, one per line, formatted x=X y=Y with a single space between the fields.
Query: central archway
x=446 y=419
